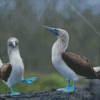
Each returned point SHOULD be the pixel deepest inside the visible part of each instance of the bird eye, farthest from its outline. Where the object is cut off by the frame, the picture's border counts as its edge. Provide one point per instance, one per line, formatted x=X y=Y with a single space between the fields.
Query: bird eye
x=10 y=43
x=56 y=32
x=16 y=42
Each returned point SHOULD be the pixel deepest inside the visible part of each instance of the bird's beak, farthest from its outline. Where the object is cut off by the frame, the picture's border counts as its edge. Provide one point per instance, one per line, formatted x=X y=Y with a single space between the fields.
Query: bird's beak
x=53 y=30
x=14 y=44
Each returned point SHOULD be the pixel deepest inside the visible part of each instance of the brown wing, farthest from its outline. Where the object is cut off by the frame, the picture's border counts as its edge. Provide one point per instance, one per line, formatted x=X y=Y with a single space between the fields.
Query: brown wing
x=5 y=71
x=80 y=65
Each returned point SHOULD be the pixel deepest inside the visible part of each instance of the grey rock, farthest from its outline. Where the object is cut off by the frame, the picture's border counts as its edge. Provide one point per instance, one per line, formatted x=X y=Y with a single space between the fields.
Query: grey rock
x=78 y=94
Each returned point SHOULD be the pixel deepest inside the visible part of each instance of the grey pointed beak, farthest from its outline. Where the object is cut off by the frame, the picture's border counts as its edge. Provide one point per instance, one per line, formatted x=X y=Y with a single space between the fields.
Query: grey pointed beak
x=14 y=44
x=53 y=30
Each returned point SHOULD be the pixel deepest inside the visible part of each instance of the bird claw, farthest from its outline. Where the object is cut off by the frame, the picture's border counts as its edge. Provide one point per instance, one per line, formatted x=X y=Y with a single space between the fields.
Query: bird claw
x=29 y=80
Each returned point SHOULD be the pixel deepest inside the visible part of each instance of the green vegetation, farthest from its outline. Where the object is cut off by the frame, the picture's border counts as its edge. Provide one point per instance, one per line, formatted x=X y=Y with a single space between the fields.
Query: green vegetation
x=43 y=82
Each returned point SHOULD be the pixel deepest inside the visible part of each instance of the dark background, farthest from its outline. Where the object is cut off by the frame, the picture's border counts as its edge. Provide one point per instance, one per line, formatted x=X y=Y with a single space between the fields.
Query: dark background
x=23 y=19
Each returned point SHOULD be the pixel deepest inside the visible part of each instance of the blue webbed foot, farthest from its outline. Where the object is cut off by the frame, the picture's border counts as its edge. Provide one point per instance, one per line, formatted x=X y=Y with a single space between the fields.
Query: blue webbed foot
x=61 y=89
x=68 y=88
x=15 y=93
x=11 y=94
x=29 y=80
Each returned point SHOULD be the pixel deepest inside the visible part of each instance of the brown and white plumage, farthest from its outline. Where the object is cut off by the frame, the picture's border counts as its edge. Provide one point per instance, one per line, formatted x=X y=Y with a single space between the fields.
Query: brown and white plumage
x=70 y=65
x=80 y=65
x=5 y=71
x=12 y=72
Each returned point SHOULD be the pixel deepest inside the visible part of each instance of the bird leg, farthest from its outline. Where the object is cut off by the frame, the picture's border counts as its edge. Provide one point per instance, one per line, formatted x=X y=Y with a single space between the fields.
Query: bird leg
x=68 y=88
x=73 y=84
x=62 y=89
x=29 y=80
x=14 y=93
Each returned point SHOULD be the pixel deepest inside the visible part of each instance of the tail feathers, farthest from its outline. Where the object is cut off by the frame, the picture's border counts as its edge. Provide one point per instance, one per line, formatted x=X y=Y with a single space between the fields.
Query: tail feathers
x=98 y=73
x=1 y=63
x=97 y=69
x=0 y=73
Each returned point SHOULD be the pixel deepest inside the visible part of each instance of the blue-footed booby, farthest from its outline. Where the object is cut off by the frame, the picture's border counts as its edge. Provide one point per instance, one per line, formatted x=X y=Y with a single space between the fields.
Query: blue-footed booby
x=12 y=72
x=71 y=66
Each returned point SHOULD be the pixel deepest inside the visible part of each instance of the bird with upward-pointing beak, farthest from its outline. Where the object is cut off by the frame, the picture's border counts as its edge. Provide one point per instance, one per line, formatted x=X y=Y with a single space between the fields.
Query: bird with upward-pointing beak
x=12 y=72
x=71 y=66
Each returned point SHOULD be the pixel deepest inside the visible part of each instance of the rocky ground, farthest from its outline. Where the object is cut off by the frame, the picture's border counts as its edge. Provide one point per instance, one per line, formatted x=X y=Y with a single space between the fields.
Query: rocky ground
x=52 y=94
x=88 y=90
